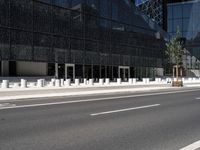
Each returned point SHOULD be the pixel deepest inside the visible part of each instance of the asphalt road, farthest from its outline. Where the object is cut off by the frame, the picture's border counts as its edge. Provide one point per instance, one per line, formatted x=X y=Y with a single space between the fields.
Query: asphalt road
x=168 y=120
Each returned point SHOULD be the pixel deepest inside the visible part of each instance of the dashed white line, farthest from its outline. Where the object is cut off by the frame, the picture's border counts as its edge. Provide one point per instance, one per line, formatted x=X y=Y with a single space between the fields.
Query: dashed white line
x=193 y=146
x=126 y=109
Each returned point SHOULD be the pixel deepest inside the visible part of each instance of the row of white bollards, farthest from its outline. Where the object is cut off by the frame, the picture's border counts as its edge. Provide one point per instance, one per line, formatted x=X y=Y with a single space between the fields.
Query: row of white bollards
x=61 y=82
x=77 y=82
x=5 y=84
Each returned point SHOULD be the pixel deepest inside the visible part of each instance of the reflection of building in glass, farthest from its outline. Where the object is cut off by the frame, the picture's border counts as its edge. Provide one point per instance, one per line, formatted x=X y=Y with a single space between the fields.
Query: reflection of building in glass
x=78 y=38
x=154 y=9
x=185 y=15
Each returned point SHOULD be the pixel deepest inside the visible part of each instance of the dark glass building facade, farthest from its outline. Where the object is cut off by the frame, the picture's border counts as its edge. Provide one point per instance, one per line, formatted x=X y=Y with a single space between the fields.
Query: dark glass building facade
x=78 y=39
x=185 y=15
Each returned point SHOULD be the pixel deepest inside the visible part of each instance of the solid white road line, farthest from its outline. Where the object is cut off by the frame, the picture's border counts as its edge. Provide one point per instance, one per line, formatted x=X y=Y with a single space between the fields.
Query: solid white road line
x=193 y=146
x=97 y=99
x=198 y=98
x=122 y=110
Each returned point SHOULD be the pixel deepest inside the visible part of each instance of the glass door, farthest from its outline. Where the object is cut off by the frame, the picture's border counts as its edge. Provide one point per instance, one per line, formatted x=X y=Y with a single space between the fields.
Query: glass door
x=70 y=71
x=61 y=71
x=124 y=73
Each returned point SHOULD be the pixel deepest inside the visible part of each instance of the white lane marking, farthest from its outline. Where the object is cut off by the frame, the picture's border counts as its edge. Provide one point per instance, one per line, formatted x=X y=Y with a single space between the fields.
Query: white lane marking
x=7 y=105
x=193 y=146
x=198 y=98
x=126 y=109
x=97 y=99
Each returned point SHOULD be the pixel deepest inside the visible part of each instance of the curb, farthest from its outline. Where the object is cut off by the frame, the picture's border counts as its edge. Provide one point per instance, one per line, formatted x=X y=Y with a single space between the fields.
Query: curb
x=80 y=93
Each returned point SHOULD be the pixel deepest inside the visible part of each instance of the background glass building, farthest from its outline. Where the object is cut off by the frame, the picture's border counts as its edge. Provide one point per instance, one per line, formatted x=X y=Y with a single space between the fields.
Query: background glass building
x=185 y=15
x=154 y=9
x=78 y=39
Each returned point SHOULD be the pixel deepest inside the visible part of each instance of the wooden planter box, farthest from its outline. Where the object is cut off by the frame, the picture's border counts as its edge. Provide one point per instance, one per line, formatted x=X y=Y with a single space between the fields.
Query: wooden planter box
x=177 y=83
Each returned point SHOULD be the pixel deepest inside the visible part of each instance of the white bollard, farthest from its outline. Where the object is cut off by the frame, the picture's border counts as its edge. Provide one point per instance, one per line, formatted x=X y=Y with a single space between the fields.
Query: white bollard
x=134 y=80
x=67 y=82
x=101 y=81
x=147 y=80
x=23 y=83
x=57 y=83
x=5 y=84
x=107 y=81
x=16 y=85
x=169 y=80
x=43 y=82
x=144 y=80
x=130 y=80
x=158 y=80
x=53 y=81
x=183 y=79
x=85 y=81
x=40 y=83
x=119 y=80
x=91 y=81
x=62 y=82
x=77 y=82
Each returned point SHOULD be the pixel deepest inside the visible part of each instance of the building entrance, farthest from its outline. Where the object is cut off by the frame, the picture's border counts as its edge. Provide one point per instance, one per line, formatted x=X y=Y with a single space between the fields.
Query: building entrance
x=70 y=71
x=124 y=72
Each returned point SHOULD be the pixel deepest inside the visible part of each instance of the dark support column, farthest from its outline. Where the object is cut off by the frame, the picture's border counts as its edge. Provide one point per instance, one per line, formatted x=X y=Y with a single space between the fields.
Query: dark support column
x=56 y=70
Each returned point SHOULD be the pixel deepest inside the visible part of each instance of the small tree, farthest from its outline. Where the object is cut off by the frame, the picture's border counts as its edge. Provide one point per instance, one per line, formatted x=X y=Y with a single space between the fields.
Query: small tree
x=175 y=52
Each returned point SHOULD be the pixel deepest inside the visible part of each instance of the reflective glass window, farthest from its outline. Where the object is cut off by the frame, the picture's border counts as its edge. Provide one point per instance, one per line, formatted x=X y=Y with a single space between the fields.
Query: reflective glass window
x=61 y=49
x=93 y=4
x=21 y=45
x=61 y=21
x=92 y=7
x=21 y=14
x=42 y=47
x=4 y=13
x=187 y=35
x=104 y=29
x=77 y=53
x=177 y=24
x=46 y=1
x=115 y=10
x=91 y=27
x=76 y=24
x=187 y=25
x=4 y=43
x=187 y=10
x=169 y=12
x=105 y=8
x=62 y=3
x=169 y=26
x=42 y=18
x=75 y=2
x=177 y=11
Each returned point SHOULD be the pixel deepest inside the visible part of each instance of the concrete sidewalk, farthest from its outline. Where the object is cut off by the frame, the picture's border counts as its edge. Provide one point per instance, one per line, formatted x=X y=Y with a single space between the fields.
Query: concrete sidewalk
x=59 y=92
x=77 y=91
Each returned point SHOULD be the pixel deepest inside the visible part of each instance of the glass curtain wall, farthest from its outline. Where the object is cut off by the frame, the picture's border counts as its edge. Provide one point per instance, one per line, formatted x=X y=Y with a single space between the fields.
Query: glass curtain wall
x=185 y=16
x=95 y=35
